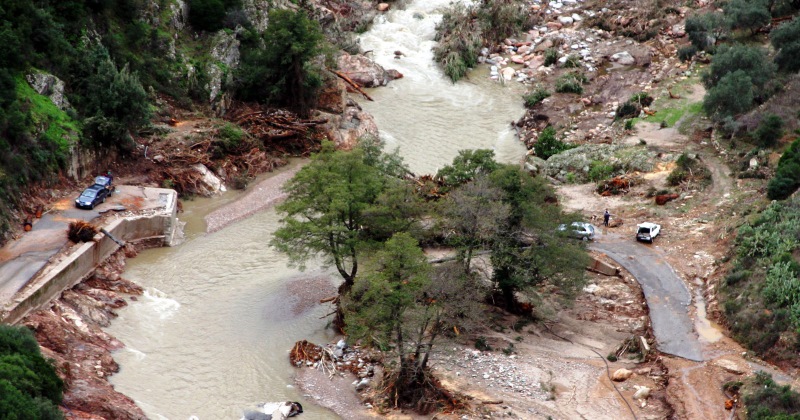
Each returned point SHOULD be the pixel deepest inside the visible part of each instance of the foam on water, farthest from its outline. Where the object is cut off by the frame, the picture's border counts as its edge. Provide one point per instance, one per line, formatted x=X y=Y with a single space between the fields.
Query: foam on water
x=162 y=305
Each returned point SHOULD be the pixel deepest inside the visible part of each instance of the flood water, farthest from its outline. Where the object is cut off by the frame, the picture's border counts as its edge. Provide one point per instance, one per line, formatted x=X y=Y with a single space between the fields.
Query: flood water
x=212 y=333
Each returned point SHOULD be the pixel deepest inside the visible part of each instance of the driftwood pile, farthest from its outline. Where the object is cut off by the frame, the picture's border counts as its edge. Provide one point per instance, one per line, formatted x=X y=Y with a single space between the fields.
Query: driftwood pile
x=281 y=131
x=617 y=185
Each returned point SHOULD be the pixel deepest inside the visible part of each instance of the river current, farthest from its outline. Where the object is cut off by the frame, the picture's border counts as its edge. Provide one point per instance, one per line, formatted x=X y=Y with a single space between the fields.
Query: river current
x=212 y=333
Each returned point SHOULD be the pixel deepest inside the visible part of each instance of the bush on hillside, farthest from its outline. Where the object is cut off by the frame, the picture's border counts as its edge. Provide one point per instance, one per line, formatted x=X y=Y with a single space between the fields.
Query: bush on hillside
x=769 y=131
x=29 y=386
x=751 y=60
x=787 y=175
x=786 y=41
x=766 y=400
x=459 y=37
x=550 y=57
x=686 y=53
x=571 y=82
x=548 y=144
x=538 y=94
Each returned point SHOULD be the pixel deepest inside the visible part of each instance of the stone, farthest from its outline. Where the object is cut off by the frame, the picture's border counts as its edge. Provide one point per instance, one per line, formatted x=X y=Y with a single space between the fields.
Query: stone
x=565 y=20
x=576 y=17
x=544 y=45
x=624 y=58
x=517 y=59
x=208 y=184
x=554 y=26
x=753 y=163
x=523 y=50
x=179 y=15
x=729 y=366
x=51 y=86
x=345 y=129
x=362 y=384
x=621 y=375
x=333 y=96
x=362 y=70
x=642 y=392
x=382 y=7
x=678 y=30
x=508 y=73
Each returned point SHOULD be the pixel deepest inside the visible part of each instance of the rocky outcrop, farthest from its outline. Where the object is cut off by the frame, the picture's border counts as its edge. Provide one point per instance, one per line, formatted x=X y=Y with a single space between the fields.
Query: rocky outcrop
x=364 y=71
x=225 y=55
x=208 y=184
x=179 y=15
x=345 y=129
x=333 y=96
x=51 y=86
x=69 y=334
x=578 y=161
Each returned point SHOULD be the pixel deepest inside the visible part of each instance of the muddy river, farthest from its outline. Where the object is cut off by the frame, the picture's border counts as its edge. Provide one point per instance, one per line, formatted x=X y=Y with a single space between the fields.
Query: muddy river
x=211 y=335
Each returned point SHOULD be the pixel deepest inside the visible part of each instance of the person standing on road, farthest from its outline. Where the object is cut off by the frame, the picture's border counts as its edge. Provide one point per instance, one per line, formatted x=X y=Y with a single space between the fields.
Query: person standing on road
x=606 y=217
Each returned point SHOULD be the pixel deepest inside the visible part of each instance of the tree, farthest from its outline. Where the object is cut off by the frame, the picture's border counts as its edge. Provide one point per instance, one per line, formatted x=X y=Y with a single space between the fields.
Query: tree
x=29 y=386
x=548 y=144
x=325 y=209
x=786 y=40
x=472 y=215
x=468 y=165
x=705 y=30
x=402 y=305
x=526 y=252
x=751 y=60
x=278 y=66
x=731 y=96
x=747 y=14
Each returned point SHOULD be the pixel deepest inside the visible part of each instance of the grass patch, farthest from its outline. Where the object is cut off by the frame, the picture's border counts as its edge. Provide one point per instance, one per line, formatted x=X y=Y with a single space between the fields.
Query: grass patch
x=58 y=128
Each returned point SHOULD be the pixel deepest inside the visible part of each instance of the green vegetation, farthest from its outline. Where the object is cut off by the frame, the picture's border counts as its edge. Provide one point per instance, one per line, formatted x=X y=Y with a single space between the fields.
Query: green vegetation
x=689 y=169
x=787 y=175
x=769 y=131
x=748 y=15
x=209 y=15
x=600 y=171
x=766 y=400
x=463 y=30
x=29 y=386
x=571 y=82
x=705 y=30
x=535 y=96
x=786 y=41
x=550 y=57
x=548 y=144
x=283 y=73
x=761 y=295
x=466 y=166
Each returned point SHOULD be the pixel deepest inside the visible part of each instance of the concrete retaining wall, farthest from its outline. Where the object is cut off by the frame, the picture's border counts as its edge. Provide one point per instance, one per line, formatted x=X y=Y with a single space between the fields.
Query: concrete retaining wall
x=84 y=258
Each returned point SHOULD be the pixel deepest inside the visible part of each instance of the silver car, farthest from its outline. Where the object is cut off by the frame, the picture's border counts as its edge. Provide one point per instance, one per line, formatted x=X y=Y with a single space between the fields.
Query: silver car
x=579 y=230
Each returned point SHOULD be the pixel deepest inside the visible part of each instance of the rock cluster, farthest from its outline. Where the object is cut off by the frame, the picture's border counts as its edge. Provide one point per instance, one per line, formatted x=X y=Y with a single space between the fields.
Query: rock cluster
x=69 y=333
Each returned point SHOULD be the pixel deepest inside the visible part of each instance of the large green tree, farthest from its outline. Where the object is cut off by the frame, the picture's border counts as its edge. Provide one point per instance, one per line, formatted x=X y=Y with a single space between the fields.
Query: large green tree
x=786 y=40
x=279 y=67
x=749 y=15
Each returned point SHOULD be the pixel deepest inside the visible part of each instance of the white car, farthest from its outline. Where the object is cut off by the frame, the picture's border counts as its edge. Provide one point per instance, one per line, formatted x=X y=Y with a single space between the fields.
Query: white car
x=647 y=231
x=579 y=230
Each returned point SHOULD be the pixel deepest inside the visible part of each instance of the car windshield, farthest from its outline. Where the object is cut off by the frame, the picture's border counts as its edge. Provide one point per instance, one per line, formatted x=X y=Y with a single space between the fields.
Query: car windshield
x=101 y=180
x=88 y=194
x=644 y=230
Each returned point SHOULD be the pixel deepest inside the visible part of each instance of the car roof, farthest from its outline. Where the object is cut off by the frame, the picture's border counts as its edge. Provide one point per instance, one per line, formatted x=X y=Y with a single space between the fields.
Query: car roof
x=647 y=225
x=93 y=188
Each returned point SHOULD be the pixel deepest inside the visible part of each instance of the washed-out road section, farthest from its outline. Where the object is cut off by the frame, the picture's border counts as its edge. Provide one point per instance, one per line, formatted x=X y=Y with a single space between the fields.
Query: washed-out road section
x=668 y=297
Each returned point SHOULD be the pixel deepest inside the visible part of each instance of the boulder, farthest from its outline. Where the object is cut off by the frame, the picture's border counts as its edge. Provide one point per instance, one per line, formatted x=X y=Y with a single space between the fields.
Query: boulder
x=517 y=59
x=179 y=15
x=345 y=129
x=642 y=392
x=621 y=375
x=51 y=86
x=565 y=20
x=225 y=53
x=382 y=7
x=624 y=58
x=363 y=71
x=333 y=96
x=508 y=73
x=208 y=184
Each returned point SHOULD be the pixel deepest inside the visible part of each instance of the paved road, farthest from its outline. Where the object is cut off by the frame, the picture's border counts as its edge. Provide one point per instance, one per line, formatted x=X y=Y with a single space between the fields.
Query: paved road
x=667 y=295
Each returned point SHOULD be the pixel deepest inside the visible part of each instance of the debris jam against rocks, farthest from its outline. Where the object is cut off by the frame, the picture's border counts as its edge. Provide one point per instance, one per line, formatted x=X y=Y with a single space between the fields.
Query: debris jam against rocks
x=281 y=131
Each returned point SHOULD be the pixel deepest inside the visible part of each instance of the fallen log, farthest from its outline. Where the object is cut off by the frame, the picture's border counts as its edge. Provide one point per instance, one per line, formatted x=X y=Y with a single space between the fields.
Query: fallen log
x=353 y=84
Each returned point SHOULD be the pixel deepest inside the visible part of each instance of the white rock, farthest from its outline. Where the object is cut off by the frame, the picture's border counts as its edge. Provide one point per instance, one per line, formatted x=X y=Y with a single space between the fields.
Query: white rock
x=624 y=58
x=565 y=20
x=642 y=392
x=508 y=73
x=576 y=17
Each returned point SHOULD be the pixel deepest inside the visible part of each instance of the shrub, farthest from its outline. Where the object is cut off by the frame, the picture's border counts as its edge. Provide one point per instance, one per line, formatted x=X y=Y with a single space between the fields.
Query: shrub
x=686 y=53
x=767 y=400
x=769 y=131
x=600 y=171
x=571 y=82
x=786 y=41
x=459 y=38
x=538 y=94
x=548 y=145
x=29 y=386
x=629 y=125
x=751 y=15
x=573 y=61
x=787 y=175
x=206 y=15
x=550 y=57
x=628 y=110
x=642 y=98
